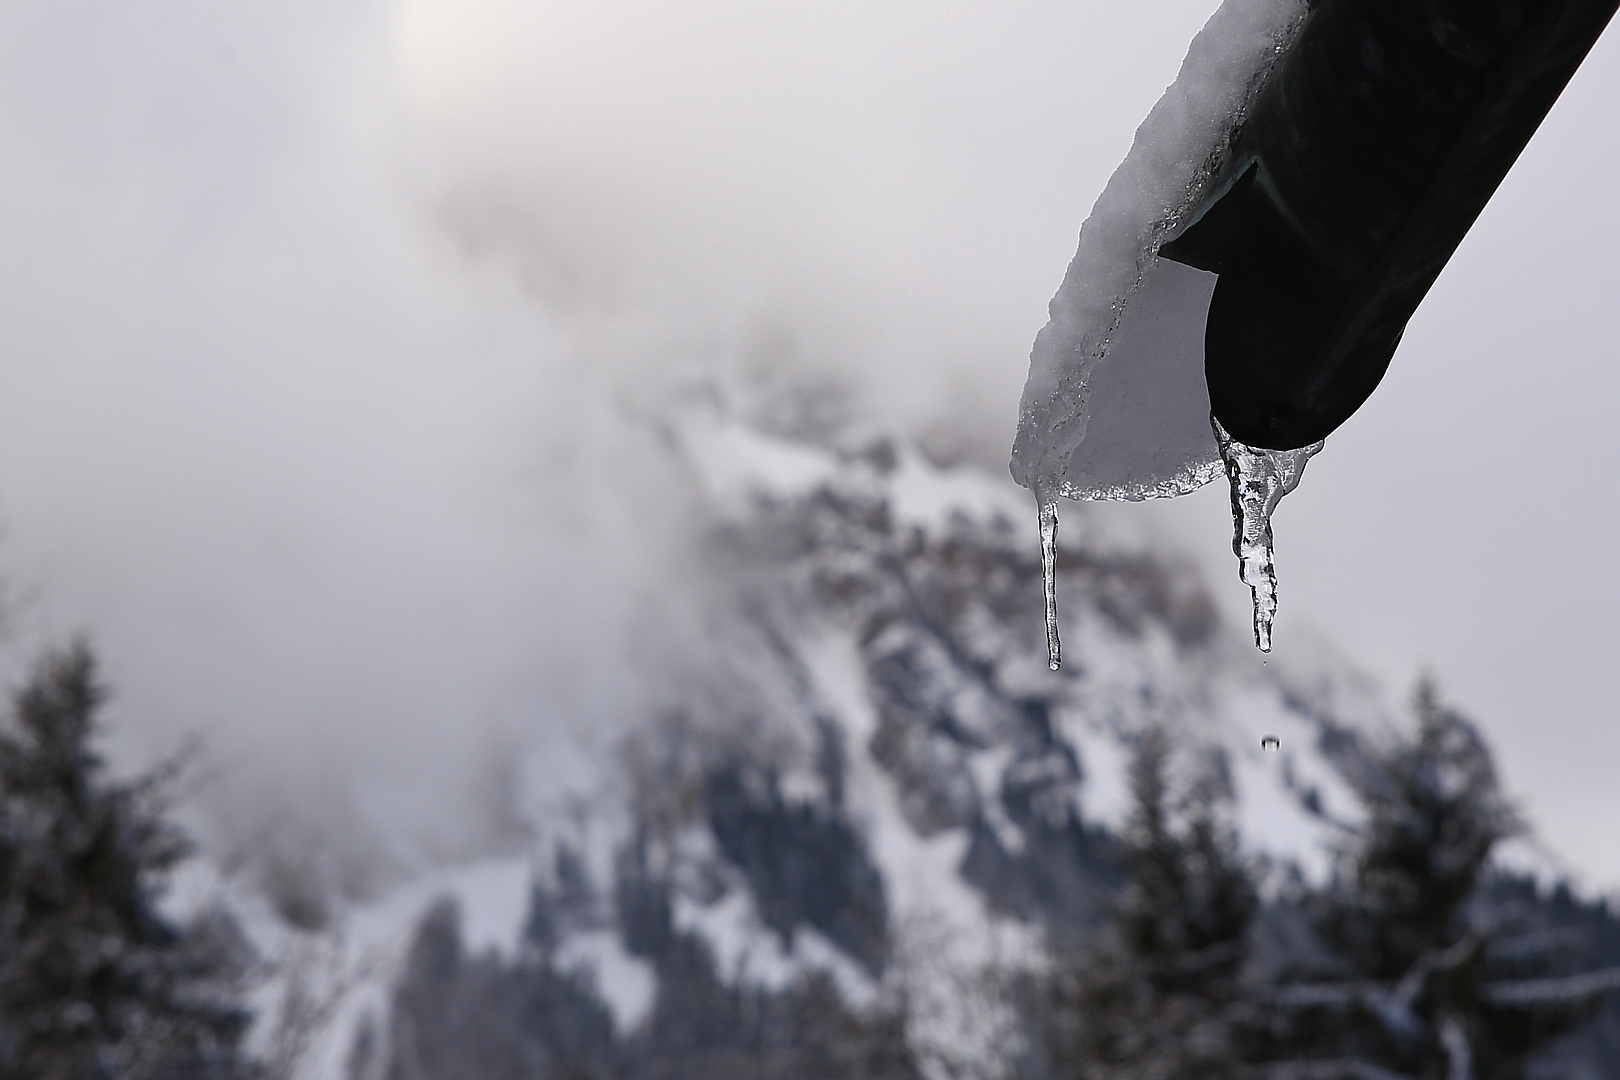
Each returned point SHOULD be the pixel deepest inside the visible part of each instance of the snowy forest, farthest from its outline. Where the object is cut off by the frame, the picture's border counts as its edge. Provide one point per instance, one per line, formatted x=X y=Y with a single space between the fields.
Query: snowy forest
x=510 y=567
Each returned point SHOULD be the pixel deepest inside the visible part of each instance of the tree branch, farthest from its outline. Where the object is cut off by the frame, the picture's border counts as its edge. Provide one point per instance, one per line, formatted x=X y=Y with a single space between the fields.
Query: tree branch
x=1335 y=1069
x=1552 y=991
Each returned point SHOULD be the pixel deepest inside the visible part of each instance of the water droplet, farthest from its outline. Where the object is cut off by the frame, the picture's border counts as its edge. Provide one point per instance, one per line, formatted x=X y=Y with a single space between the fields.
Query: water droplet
x=1260 y=478
x=1049 y=525
x=1270 y=742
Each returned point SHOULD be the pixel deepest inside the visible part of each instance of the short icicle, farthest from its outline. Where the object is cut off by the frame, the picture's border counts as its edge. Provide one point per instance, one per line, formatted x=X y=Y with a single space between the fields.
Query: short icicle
x=1260 y=478
x=1049 y=524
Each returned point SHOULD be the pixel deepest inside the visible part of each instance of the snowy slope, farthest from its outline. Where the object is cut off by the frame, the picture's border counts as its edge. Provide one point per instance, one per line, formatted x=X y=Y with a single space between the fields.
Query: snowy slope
x=864 y=769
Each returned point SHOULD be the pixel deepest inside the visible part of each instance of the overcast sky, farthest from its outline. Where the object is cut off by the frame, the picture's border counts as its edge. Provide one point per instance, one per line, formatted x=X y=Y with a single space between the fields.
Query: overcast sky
x=321 y=321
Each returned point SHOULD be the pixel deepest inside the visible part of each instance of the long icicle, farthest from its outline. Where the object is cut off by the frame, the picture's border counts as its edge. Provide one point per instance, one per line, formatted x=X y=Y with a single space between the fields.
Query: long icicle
x=1260 y=478
x=1049 y=526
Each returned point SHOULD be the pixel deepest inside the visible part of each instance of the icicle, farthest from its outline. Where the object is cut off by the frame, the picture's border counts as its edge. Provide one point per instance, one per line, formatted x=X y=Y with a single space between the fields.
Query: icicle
x=1260 y=478
x=1049 y=523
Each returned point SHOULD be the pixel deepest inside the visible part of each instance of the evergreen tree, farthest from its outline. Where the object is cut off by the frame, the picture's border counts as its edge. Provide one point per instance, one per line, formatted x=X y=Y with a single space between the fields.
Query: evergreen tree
x=1160 y=996
x=458 y=1016
x=94 y=983
x=1426 y=976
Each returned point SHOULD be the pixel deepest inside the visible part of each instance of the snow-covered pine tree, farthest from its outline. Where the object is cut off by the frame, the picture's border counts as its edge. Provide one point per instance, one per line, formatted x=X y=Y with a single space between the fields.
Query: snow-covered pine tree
x=94 y=983
x=1424 y=975
x=1159 y=996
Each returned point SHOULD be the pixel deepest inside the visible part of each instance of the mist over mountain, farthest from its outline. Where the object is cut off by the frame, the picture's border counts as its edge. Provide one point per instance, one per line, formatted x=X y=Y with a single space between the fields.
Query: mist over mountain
x=334 y=338
x=329 y=331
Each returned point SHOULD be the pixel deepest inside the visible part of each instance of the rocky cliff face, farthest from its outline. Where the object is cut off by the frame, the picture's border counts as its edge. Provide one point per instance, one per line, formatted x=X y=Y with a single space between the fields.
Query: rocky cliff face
x=866 y=804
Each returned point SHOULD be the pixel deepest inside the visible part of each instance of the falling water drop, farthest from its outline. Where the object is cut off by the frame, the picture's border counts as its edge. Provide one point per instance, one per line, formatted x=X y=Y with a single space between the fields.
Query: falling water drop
x=1260 y=478
x=1270 y=742
x=1049 y=524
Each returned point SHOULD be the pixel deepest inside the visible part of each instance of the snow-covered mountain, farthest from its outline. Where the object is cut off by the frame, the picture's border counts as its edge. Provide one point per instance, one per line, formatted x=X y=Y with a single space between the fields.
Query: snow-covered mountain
x=863 y=802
